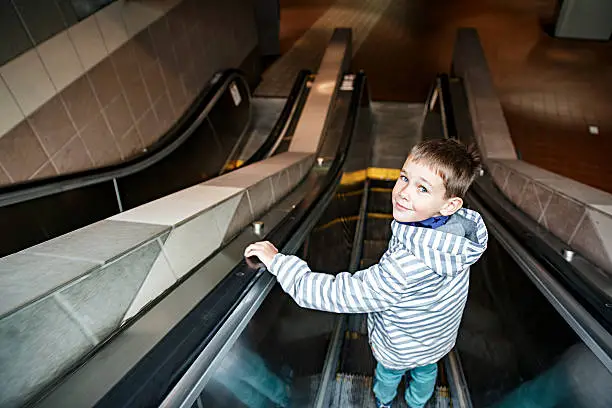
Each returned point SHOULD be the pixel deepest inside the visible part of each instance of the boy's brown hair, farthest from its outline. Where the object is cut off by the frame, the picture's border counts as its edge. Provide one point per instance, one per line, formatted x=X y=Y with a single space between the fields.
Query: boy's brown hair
x=455 y=163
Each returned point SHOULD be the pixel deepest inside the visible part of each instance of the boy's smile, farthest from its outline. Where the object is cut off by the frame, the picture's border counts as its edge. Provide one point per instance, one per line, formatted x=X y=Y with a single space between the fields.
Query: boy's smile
x=419 y=194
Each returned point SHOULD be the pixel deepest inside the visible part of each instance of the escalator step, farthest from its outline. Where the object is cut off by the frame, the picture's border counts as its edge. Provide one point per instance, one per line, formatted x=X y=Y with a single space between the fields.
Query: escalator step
x=374 y=248
x=355 y=391
x=356 y=355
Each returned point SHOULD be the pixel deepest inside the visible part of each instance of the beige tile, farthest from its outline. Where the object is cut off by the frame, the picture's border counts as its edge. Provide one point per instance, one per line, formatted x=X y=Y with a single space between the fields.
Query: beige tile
x=241 y=217
x=61 y=60
x=130 y=144
x=178 y=207
x=72 y=158
x=104 y=81
x=192 y=242
x=112 y=26
x=159 y=279
x=88 y=42
x=81 y=102
x=100 y=142
x=21 y=154
x=28 y=81
x=119 y=116
x=52 y=125
x=262 y=195
x=10 y=114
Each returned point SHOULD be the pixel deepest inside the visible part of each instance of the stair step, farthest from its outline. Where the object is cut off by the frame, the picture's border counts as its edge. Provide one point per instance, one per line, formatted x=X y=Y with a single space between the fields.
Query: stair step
x=356 y=357
x=378 y=229
x=355 y=391
x=374 y=248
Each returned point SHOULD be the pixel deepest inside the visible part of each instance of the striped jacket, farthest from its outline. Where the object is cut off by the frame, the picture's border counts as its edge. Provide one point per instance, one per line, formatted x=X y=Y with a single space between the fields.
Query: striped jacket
x=414 y=296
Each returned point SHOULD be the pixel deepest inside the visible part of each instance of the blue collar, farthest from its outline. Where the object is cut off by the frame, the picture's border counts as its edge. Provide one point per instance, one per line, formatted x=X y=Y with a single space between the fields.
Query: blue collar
x=433 y=222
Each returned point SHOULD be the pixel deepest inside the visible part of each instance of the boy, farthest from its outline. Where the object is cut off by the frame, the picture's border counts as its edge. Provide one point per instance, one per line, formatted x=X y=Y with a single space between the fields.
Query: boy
x=416 y=294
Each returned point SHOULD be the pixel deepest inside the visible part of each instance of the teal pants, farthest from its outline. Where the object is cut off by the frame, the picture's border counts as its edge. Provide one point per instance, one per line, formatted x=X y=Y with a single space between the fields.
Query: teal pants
x=418 y=390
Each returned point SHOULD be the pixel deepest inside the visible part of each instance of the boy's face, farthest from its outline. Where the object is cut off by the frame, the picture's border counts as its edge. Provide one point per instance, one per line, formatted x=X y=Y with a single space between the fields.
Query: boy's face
x=419 y=193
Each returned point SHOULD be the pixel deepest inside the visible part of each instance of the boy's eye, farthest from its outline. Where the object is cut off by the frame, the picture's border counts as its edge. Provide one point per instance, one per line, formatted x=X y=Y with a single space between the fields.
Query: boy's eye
x=422 y=189
x=404 y=179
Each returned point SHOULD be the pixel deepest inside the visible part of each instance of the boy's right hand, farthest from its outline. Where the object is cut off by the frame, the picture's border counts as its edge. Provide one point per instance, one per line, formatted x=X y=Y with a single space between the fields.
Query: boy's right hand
x=264 y=250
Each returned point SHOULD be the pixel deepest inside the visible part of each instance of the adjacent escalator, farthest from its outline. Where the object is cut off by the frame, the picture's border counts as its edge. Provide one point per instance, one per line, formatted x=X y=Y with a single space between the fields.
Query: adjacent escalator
x=217 y=126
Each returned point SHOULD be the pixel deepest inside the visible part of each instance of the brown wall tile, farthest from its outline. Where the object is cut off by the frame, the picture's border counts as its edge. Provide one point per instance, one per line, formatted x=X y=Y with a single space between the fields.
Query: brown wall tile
x=81 y=102
x=160 y=35
x=514 y=186
x=73 y=157
x=52 y=125
x=149 y=128
x=119 y=116
x=100 y=142
x=105 y=81
x=500 y=176
x=136 y=95
x=124 y=61
x=21 y=154
x=588 y=242
x=176 y=18
x=130 y=144
x=144 y=49
x=165 y=113
x=562 y=216
x=534 y=200
x=45 y=171
x=176 y=91
x=4 y=178
x=184 y=58
x=154 y=81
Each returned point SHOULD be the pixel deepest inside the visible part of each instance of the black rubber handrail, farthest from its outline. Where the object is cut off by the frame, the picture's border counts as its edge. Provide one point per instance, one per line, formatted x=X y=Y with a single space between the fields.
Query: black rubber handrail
x=279 y=126
x=223 y=300
x=173 y=138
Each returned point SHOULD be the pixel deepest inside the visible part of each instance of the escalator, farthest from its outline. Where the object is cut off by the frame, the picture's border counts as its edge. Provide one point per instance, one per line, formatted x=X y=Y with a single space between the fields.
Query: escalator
x=529 y=337
x=224 y=128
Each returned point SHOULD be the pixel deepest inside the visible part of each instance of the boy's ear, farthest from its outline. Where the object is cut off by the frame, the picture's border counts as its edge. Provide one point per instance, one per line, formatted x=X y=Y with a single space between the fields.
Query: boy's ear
x=452 y=205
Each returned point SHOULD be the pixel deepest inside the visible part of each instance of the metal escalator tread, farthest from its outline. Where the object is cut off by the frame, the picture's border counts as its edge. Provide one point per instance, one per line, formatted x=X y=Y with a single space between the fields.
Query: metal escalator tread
x=374 y=248
x=356 y=355
x=355 y=391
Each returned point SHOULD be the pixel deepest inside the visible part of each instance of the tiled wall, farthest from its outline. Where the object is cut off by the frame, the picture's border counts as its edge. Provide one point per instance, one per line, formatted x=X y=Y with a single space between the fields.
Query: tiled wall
x=577 y=214
x=31 y=22
x=107 y=87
